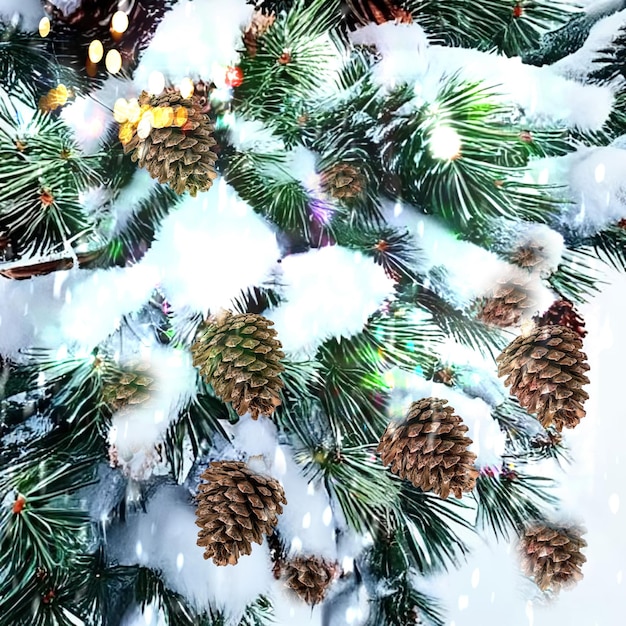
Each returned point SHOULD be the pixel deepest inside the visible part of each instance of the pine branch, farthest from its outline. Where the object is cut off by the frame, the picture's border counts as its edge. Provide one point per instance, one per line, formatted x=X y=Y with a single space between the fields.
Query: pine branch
x=292 y=59
x=575 y=279
x=507 y=500
x=610 y=246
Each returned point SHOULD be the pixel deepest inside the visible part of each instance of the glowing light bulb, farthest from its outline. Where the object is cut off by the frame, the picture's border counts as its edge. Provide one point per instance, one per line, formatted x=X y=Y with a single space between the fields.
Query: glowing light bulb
x=44 y=27
x=186 y=88
x=445 y=143
x=113 y=61
x=96 y=51
x=156 y=83
x=119 y=22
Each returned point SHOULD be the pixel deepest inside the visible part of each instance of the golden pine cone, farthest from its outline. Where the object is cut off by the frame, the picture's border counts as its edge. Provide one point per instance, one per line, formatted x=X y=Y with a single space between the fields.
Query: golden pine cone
x=258 y=26
x=131 y=387
x=236 y=507
x=507 y=303
x=343 y=181
x=178 y=153
x=239 y=355
x=309 y=577
x=429 y=448
x=552 y=555
x=546 y=372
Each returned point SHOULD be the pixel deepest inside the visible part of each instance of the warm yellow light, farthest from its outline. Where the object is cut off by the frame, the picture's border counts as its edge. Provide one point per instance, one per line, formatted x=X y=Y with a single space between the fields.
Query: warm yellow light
x=113 y=61
x=44 y=26
x=156 y=83
x=145 y=125
x=186 y=88
x=96 y=51
x=120 y=110
x=119 y=22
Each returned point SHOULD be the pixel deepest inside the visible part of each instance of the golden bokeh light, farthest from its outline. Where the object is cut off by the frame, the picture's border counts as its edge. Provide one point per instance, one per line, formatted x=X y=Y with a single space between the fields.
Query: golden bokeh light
x=119 y=22
x=113 y=61
x=96 y=51
x=186 y=88
x=44 y=27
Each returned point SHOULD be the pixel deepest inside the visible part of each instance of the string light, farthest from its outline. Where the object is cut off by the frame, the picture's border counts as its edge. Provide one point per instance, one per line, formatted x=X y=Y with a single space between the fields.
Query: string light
x=186 y=88
x=119 y=22
x=44 y=27
x=113 y=61
x=96 y=51
x=445 y=143
x=156 y=83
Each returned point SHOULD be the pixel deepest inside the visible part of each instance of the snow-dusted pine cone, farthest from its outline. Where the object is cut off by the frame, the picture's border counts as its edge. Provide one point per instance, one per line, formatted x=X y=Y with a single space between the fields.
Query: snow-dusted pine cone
x=507 y=302
x=310 y=577
x=236 y=507
x=429 y=448
x=546 y=372
x=131 y=387
x=240 y=356
x=552 y=555
x=177 y=149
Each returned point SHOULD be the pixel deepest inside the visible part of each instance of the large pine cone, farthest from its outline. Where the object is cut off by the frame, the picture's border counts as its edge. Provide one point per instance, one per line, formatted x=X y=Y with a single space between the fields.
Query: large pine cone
x=429 y=448
x=552 y=555
x=179 y=152
x=546 y=372
x=309 y=577
x=507 y=303
x=239 y=355
x=563 y=313
x=236 y=507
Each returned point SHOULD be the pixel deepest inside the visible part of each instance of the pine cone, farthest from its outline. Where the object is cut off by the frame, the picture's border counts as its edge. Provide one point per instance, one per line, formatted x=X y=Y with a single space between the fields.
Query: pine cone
x=563 y=313
x=528 y=256
x=178 y=153
x=259 y=25
x=552 y=555
x=507 y=303
x=128 y=388
x=236 y=507
x=343 y=181
x=546 y=372
x=309 y=577
x=239 y=355
x=429 y=448
x=363 y=12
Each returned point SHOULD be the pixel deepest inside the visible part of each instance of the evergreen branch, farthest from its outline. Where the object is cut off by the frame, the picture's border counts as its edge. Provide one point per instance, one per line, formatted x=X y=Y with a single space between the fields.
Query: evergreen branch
x=456 y=324
x=150 y=588
x=575 y=279
x=292 y=59
x=195 y=428
x=428 y=529
x=610 y=246
x=37 y=527
x=507 y=500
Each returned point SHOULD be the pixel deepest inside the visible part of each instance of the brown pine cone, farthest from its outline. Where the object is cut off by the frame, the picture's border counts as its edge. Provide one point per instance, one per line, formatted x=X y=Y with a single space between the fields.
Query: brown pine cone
x=309 y=577
x=131 y=387
x=552 y=555
x=546 y=372
x=343 y=181
x=429 y=448
x=239 y=355
x=563 y=313
x=177 y=150
x=236 y=507
x=507 y=302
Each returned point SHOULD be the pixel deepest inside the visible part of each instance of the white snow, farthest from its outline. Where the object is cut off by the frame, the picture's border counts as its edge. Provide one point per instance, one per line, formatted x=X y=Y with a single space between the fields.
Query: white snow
x=222 y=247
x=170 y=522
x=595 y=180
x=25 y=12
x=136 y=430
x=347 y=287
x=212 y=39
x=76 y=307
